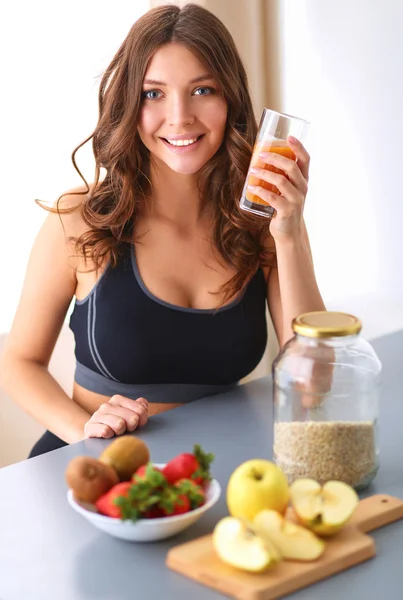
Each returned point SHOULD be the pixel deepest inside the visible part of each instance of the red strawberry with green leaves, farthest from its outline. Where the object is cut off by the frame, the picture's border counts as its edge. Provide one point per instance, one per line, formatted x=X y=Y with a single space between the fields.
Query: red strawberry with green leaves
x=194 y=466
x=145 y=492
x=182 y=466
x=181 y=497
x=178 y=505
x=193 y=491
x=106 y=503
x=144 y=469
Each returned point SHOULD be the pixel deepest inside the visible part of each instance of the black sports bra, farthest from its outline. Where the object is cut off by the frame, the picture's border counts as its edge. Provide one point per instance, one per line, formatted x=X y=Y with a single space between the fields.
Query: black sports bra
x=129 y=342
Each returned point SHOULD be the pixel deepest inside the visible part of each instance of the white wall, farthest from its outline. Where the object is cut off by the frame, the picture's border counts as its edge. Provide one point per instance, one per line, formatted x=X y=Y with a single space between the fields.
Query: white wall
x=342 y=70
x=51 y=54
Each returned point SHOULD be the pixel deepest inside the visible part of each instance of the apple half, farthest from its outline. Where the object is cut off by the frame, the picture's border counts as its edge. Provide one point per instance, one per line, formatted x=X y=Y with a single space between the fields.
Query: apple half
x=323 y=509
x=293 y=542
x=237 y=544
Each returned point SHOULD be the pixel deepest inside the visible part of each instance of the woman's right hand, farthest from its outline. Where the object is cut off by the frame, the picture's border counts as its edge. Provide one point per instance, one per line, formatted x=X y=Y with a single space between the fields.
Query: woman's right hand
x=117 y=416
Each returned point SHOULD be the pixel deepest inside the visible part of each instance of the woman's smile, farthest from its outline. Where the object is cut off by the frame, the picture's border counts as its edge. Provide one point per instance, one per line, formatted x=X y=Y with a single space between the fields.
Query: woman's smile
x=183 y=146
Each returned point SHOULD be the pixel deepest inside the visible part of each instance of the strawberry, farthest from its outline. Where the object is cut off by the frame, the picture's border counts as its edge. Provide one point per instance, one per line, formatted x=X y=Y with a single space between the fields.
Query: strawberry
x=181 y=467
x=144 y=469
x=181 y=497
x=194 y=466
x=193 y=490
x=145 y=492
x=180 y=506
x=174 y=504
x=106 y=503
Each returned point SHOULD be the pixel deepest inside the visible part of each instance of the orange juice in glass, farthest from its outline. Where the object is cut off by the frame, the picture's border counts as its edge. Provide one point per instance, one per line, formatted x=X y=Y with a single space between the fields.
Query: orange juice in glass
x=274 y=128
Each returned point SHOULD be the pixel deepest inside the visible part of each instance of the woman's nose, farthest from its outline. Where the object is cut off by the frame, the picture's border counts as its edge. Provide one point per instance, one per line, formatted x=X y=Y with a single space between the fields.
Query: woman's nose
x=179 y=112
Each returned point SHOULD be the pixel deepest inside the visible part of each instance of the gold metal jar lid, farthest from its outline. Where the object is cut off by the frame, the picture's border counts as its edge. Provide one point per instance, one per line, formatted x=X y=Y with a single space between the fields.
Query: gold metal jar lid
x=324 y=324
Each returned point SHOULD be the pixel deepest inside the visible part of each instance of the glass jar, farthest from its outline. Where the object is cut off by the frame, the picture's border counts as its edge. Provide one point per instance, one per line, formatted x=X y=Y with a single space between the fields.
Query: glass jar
x=326 y=382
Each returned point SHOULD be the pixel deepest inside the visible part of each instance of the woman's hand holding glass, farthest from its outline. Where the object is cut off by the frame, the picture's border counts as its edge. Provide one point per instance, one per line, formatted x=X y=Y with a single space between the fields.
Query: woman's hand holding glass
x=292 y=185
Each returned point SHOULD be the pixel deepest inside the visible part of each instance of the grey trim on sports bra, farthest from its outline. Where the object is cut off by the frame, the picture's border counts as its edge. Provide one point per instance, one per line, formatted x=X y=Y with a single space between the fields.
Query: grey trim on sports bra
x=207 y=311
x=96 y=357
x=142 y=285
x=94 y=289
x=157 y=392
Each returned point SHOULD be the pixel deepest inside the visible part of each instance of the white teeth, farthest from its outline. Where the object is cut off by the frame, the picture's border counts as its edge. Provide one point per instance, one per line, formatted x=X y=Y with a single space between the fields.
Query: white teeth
x=182 y=142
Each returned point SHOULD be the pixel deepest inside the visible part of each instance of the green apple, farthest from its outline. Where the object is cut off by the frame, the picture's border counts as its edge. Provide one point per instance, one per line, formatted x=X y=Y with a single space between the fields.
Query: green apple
x=323 y=509
x=237 y=544
x=294 y=542
x=255 y=485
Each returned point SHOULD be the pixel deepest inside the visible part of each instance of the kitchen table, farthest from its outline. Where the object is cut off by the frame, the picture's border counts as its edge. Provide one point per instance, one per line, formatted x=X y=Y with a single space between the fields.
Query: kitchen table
x=49 y=552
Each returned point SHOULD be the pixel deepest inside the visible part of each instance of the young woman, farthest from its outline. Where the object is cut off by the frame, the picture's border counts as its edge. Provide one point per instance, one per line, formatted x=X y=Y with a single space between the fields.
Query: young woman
x=170 y=276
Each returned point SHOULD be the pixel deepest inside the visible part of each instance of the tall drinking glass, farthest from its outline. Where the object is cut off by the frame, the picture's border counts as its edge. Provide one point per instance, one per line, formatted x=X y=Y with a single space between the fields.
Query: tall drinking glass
x=274 y=128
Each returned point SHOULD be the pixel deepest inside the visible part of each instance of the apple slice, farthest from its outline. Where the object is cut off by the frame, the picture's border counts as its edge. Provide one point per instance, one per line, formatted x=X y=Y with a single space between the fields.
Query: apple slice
x=292 y=541
x=323 y=509
x=238 y=545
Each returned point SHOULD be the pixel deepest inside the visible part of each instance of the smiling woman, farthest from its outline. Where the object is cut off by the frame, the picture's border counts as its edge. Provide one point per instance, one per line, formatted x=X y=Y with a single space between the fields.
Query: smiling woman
x=170 y=276
x=182 y=124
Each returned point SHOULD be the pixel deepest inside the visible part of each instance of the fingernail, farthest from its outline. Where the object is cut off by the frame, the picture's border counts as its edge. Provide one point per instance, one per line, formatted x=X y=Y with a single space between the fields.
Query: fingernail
x=264 y=154
x=252 y=187
x=292 y=139
x=254 y=170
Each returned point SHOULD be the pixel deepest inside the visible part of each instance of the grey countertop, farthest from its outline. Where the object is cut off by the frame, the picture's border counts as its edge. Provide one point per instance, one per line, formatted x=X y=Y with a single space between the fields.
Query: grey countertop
x=49 y=552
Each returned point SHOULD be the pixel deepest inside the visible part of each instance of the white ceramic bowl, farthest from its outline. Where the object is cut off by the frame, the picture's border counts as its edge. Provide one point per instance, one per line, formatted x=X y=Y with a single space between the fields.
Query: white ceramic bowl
x=146 y=530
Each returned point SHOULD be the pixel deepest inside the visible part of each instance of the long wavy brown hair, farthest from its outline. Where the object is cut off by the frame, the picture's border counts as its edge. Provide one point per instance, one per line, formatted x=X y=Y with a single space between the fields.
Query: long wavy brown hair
x=111 y=206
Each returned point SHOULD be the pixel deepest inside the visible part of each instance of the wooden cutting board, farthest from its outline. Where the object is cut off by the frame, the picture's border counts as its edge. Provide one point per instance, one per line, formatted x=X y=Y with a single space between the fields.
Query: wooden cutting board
x=198 y=560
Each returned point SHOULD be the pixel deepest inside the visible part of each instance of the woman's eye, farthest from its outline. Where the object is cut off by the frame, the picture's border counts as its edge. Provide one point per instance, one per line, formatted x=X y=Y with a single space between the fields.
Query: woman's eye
x=204 y=91
x=151 y=94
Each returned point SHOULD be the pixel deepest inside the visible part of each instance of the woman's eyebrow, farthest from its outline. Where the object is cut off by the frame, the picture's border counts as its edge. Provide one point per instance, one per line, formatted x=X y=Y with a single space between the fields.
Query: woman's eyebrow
x=204 y=77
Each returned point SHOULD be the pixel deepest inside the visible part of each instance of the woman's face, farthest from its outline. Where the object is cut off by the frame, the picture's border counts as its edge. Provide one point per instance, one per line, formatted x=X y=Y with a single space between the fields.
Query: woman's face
x=183 y=114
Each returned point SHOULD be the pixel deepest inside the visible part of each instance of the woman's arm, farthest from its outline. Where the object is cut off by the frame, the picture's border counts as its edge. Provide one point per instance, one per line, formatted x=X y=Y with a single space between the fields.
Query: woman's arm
x=48 y=289
x=31 y=386
x=292 y=286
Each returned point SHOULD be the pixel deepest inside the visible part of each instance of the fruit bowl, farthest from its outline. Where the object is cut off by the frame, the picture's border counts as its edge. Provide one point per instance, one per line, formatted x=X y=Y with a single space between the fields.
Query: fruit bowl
x=146 y=530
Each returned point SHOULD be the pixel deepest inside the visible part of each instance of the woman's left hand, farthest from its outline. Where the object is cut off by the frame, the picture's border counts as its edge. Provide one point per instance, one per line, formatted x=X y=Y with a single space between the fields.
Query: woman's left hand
x=287 y=222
